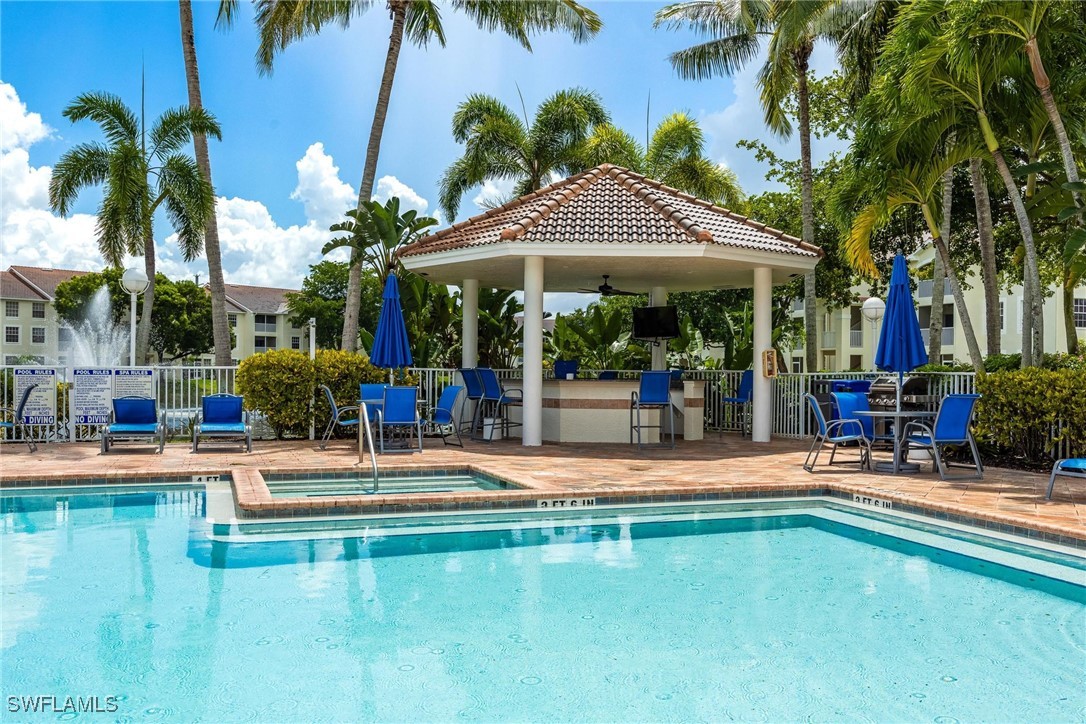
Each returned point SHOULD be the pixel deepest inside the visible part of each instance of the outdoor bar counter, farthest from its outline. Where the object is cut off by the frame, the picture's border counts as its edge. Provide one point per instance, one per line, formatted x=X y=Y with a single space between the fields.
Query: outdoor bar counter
x=589 y=410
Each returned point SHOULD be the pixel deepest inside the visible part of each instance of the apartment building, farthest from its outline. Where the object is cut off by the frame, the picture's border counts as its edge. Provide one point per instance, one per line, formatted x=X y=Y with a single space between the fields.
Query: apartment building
x=847 y=341
x=33 y=333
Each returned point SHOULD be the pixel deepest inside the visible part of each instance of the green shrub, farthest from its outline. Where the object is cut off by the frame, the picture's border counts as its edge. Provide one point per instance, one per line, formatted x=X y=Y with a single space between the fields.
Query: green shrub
x=343 y=372
x=1058 y=361
x=279 y=384
x=1019 y=411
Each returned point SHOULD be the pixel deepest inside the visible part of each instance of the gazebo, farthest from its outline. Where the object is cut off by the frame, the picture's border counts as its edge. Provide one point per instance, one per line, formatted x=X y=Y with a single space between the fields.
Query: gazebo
x=648 y=237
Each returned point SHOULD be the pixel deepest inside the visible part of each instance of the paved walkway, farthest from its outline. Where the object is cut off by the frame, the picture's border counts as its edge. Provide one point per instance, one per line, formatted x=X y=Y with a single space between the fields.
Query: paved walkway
x=719 y=463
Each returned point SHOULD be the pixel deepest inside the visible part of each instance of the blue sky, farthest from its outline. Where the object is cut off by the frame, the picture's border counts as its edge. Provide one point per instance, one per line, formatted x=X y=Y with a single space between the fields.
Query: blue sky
x=293 y=143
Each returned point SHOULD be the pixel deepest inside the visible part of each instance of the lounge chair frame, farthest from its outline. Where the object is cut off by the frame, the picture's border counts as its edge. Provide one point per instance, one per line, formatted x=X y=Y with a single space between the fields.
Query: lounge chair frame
x=1077 y=471
x=110 y=435
x=242 y=429
x=17 y=419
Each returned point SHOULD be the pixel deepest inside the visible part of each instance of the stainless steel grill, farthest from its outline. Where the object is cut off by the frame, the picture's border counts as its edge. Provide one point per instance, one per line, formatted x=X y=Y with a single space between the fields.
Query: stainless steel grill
x=914 y=394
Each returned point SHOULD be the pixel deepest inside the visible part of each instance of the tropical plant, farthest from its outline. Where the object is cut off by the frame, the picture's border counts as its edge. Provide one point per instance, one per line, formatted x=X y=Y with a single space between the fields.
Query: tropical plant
x=675 y=156
x=735 y=30
x=141 y=171
x=499 y=145
x=375 y=232
x=323 y=297
x=499 y=332
x=220 y=323
x=282 y=23
x=599 y=337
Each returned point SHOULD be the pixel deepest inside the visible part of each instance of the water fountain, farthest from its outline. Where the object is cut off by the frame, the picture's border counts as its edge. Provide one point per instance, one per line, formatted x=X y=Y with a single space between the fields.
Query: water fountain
x=97 y=341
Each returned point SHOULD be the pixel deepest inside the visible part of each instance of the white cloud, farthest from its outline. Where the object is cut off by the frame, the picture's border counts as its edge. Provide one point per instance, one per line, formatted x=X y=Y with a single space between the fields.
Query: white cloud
x=743 y=119
x=493 y=193
x=255 y=249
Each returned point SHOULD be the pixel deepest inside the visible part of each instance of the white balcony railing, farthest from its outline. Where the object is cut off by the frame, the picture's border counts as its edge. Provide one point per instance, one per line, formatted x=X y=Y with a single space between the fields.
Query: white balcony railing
x=948 y=336
x=856 y=338
x=828 y=340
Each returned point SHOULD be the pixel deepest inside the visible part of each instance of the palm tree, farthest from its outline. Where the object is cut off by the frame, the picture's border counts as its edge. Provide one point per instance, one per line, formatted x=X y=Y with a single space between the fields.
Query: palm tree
x=141 y=172
x=375 y=232
x=501 y=145
x=675 y=156
x=220 y=325
x=736 y=29
x=282 y=22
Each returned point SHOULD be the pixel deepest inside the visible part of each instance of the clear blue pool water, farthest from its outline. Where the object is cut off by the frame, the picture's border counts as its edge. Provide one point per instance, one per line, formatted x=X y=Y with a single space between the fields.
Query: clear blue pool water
x=315 y=487
x=779 y=618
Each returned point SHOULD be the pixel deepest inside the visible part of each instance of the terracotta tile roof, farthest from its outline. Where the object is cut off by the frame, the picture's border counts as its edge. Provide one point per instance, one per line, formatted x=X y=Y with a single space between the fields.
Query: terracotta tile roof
x=610 y=204
x=259 y=300
x=46 y=280
x=12 y=287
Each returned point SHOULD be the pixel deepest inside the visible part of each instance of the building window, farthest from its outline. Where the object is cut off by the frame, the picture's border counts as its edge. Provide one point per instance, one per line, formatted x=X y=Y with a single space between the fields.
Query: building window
x=263 y=344
x=1079 y=309
x=11 y=335
x=38 y=310
x=265 y=322
x=11 y=309
x=64 y=335
x=295 y=342
x=232 y=319
x=1002 y=318
x=797 y=365
x=37 y=335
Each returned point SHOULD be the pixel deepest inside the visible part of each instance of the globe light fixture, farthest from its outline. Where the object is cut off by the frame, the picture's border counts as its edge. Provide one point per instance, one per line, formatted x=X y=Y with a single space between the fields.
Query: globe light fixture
x=873 y=308
x=135 y=282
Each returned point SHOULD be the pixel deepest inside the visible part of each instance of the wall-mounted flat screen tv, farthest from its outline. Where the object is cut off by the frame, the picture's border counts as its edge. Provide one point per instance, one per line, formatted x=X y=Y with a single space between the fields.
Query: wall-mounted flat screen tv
x=655 y=322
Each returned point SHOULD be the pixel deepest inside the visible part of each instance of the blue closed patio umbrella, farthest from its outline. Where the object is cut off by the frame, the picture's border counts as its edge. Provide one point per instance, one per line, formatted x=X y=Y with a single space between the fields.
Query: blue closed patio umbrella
x=390 y=346
x=901 y=345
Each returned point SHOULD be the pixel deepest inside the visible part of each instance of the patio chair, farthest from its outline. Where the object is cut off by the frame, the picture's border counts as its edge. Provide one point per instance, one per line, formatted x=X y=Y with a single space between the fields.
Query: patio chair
x=653 y=393
x=399 y=412
x=565 y=367
x=951 y=427
x=473 y=387
x=372 y=393
x=340 y=417
x=443 y=415
x=16 y=422
x=223 y=415
x=836 y=433
x=497 y=399
x=847 y=404
x=607 y=375
x=1067 y=468
x=742 y=398
x=135 y=418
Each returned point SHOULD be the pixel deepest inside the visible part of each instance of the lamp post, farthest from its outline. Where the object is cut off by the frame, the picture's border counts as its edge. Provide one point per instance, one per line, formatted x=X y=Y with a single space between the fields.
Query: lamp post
x=135 y=282
x=873 y=308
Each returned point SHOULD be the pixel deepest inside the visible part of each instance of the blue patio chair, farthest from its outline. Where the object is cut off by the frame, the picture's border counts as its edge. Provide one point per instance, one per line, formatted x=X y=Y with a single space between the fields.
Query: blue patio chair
x=473 y=387
x=443 y=415
x=340 y=416
x=373 y=393
x=951 y=427
x=399 y=412
x=847 y=405
x=565 y=367
x=496 y=399
x=135 y=418
x=653 y=393
x=223 y=415
x=742 y=398
x=16 y=422
x=836 y=433
x=1067 y=468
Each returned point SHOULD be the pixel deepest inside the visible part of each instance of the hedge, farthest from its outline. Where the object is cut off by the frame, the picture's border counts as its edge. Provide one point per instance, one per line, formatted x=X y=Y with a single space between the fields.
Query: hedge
x=1029 y=412
x=281 y=384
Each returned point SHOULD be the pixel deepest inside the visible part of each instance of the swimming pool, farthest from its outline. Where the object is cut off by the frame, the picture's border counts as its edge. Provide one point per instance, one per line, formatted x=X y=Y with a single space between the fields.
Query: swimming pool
x=321 y=485
x=777 y=613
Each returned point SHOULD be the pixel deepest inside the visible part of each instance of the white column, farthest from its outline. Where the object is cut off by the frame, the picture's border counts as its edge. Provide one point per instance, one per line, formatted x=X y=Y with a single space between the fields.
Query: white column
x=532 y=432
x=658 y=298
x=762 y=404
x=469 y=339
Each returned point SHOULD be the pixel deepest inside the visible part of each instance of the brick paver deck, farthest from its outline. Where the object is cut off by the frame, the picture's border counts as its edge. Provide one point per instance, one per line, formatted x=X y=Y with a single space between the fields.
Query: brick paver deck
x=727 y=464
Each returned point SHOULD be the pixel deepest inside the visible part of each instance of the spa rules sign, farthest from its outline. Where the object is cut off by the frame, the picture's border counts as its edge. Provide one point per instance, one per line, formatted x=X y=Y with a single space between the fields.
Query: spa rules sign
x=133 y=382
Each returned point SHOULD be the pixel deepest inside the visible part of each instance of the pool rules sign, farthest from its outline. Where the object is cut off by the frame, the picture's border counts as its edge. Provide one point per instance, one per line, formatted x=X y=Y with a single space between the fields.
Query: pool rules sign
x=91 y=397
x=41 y=406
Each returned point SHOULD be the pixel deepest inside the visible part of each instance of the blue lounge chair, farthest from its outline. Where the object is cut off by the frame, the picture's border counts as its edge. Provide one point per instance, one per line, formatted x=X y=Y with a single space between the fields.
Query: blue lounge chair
x=443 y=415
x=340 y=417
x=474 y=391
x=836 y=433
x=135 y=418
x=1068 y=468
x=653 y=393
x=743 y=397
x=565 y=367
x=951 y=427
x=399 y=413
x=223 y=415
x=16 y=422
x=496 y=399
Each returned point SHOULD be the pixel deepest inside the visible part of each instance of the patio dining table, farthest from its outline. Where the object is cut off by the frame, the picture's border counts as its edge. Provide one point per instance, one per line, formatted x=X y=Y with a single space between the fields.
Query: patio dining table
x=899 y=418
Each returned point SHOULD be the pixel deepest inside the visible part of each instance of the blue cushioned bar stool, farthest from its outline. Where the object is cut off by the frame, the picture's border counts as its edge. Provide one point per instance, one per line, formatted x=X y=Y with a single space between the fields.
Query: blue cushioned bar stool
x=653 y=393
x=473 y=391
x=742 y=398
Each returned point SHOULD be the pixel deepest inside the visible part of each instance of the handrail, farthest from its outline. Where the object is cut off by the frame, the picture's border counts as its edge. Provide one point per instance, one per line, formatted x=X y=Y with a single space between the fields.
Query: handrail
x=364 y=424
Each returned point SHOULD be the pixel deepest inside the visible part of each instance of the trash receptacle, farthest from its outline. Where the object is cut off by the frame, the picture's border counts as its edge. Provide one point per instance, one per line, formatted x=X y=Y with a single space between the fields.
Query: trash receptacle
x=492 y=428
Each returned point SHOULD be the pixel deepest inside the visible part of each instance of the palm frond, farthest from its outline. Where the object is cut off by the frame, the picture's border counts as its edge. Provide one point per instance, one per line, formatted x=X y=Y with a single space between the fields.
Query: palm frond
x=189 y=202
x=423 y=23
x=720 y=56
x=118 y=122
x=282 y=22
x=175 y=128
x=84 y=165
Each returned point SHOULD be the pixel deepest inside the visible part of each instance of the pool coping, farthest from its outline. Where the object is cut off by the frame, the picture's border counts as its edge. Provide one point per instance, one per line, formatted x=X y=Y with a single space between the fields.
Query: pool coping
x=253 y=499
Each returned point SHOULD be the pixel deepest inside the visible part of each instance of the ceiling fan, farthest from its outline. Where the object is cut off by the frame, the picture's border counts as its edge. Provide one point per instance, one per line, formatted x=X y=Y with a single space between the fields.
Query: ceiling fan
x=606 y=290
